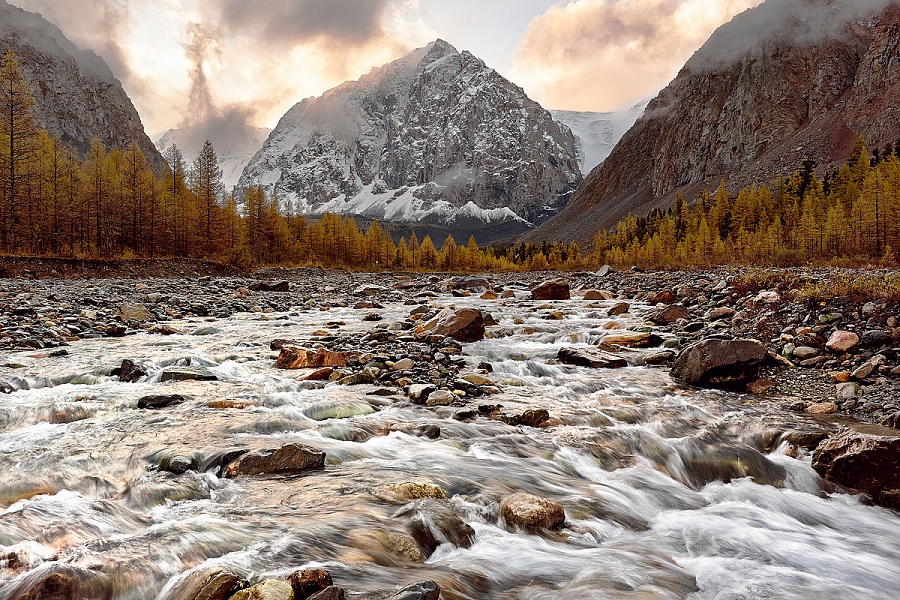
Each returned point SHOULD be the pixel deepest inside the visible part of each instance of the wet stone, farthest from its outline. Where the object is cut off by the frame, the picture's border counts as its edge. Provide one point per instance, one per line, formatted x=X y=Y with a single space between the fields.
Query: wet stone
x=531 y=513
x=162 y=401
x=286 y=460
x=187 y=374
x=308 y=582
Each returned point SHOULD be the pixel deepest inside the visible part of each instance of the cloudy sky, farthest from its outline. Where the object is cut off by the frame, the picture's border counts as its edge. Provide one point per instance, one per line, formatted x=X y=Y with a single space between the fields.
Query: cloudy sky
x=187 y=61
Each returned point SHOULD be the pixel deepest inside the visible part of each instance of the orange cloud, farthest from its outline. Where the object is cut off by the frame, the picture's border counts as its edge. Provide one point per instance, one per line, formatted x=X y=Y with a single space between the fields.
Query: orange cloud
x=597 y=54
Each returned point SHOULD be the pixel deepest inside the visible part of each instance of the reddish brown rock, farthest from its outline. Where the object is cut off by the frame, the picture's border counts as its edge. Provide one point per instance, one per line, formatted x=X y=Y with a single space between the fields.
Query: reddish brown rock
x=286 y=460
x=863 y=462
x=589 y=357
x=464 y=325
x=295 y=357
x=557 y=289
x=842 y=341
x=669 y=314
x=308 y=582
x=663 y=297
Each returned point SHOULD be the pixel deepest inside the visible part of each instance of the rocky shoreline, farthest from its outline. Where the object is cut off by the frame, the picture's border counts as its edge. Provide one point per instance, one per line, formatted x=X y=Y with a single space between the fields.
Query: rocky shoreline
x=860 y=377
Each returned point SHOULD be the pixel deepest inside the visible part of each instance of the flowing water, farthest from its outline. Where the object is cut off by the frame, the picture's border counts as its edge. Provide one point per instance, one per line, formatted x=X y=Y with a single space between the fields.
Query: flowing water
x=668 y=492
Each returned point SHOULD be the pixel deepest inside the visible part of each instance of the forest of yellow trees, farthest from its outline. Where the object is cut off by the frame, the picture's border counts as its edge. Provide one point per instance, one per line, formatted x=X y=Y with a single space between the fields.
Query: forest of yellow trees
x=851 y=217
x=110 y=203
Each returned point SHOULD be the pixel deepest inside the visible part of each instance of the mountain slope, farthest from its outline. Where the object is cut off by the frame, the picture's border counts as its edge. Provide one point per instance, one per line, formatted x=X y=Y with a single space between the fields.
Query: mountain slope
x=787 y=80
x=436 y=137
x=597 y=133
x=235 y=145
x=76 y=95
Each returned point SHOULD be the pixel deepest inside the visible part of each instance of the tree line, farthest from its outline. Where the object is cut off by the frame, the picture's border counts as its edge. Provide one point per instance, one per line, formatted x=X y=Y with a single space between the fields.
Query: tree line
x=110 y=203
x=848 y=217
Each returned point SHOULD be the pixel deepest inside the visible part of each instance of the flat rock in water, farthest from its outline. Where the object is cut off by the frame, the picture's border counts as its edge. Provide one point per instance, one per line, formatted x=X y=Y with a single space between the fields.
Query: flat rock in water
x=552 y=290
x=531 y=512
x=589 y=357
x=154 y=402
x=633 y=339
x=715 y=363
x=440 y=398
x=403 y=492
x=424 y=590
x=295 y=357
x=337 y=409
x=863 y=462
x=55 y=581
x=187 y=374
x=286 y=460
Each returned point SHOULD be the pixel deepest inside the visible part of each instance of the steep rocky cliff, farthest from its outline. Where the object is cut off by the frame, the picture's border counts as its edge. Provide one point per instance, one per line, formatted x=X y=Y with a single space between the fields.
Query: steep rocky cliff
x=787 y=80
x=435 y=137
x=76 y=95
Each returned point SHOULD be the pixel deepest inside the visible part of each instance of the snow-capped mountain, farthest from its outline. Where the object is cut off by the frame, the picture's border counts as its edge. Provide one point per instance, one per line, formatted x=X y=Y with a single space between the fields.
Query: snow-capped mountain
x=235 y=145
x=596 y=133
x=435 y=137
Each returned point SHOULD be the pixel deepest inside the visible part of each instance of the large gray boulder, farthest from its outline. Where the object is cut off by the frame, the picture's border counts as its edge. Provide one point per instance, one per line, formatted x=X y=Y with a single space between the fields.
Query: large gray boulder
x=719 y=363
x=864 y=462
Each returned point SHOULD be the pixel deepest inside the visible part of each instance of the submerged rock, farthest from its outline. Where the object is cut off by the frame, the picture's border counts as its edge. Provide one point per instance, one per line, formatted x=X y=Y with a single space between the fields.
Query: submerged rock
x=434 y=523
x=717 y=363
x=424 y=590
x=863 y=462
x=55 y=581
x=155 y=402
x=187 y=374
x=286 y=460
x=403 y=492
x=531 y=513
x=589 y=357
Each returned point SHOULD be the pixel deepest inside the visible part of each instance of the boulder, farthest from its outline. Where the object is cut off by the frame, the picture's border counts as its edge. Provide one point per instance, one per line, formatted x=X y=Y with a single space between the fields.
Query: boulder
x=557 y=289
x=590 y=357
x=205 y=584
x=597 y=295
x=154 y=402
x=406 y=491
x=54 y=581
x=876 y=337
x=187 y=374
x=863 y=462
x=332 y=592
x=619 y=308
x=286 y=460
x=404 y=364
x=418 y=392
x=269 y=589
x=434 y=523
x=669 y=314
x=424 y=590
x=716 y=363
x=604 y=271
x=130 y=372
x=531 y=513
x=129 y=311
x=842 y=341
x=308 y=582
x=440 y=398
x=463 y=325
x=270 y=286
x=663 y=297
x=804 y=352
x=634 y=339
x=295 y=357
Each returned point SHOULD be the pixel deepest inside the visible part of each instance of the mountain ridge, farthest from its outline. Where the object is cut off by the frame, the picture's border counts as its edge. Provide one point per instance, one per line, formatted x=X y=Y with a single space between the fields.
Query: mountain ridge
x=422 y=138
x=745 y=118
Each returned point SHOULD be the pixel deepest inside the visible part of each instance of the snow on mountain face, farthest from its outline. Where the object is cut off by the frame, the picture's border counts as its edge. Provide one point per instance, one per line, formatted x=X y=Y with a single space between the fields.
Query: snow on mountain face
x=432 y=137
x=234 y=146
x=596 y=133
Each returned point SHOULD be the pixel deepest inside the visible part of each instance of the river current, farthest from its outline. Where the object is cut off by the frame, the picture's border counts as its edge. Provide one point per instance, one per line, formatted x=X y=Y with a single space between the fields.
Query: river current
x=669 y=492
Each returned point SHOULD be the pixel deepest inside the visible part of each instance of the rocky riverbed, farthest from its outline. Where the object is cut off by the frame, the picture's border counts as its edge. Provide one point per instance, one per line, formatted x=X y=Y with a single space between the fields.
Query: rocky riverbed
x=508 y=436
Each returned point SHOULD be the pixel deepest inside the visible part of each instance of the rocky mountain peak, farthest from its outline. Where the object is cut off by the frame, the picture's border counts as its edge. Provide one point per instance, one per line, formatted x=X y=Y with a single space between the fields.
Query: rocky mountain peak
x=788 y=80
x=76 y=95
x=436 y=136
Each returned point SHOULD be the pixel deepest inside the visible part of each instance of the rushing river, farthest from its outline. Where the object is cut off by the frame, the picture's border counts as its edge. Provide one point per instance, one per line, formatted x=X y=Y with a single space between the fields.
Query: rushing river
x=668 y=492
